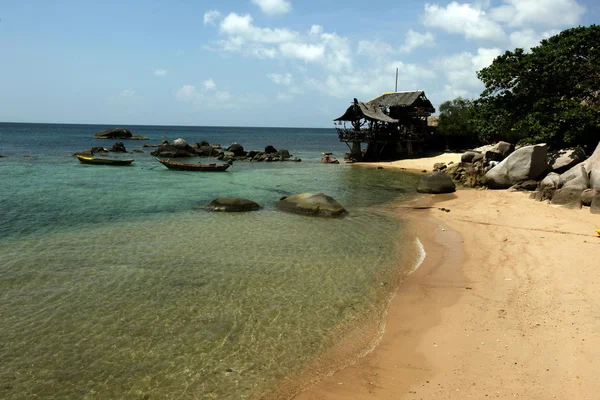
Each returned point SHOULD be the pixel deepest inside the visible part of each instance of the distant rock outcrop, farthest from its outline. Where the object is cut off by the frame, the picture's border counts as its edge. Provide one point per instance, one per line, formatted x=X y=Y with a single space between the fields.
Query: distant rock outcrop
x=176 y=148
x=118 y=133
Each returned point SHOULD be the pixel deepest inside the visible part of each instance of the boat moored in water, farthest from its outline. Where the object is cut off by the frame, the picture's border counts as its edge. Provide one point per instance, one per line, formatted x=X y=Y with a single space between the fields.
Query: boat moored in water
x=102 y=161
x=177 y=166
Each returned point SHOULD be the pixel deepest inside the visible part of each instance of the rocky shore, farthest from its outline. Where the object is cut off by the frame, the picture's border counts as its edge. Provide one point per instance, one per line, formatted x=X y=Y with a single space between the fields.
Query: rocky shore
x=235 y=152
x=566 y=177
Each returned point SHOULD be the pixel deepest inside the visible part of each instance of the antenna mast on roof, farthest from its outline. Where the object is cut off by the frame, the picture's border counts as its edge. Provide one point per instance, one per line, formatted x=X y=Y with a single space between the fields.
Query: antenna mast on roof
x=396 y=89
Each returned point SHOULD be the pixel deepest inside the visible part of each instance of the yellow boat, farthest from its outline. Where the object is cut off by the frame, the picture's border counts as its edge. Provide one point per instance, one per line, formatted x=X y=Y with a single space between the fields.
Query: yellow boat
x=598 y=232
x=102 y=161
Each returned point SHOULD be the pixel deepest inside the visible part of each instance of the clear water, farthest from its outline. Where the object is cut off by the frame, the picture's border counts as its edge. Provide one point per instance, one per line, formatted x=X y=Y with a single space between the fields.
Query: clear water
x=114 y=283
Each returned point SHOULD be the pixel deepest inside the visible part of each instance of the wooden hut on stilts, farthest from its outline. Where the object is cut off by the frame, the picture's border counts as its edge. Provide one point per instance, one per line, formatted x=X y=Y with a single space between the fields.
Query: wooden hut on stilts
x=391 y=125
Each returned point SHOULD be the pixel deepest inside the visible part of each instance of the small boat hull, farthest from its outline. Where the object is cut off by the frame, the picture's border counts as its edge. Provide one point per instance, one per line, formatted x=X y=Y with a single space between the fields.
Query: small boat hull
x=102 y=161
x=177 y=166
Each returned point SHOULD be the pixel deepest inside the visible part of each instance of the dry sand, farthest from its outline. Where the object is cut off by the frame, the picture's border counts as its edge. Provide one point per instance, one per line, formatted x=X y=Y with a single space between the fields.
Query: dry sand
x=506 y=305
x=417 y=164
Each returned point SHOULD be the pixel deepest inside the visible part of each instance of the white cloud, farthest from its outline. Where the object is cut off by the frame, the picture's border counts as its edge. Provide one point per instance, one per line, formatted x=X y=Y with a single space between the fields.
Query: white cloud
x=461 y=72
x=465 y=19
x=528 y=38
x=316 y=30
x=550 y=13
x=274 y=7
x=127 y=93
x=160 y=72
x=366 y=83
x=284 y=96
x=415 y=39
x=302 y=51
x=374 y=48
x=281 y=79
x=211 y=16
x=186 y=93
x=316 y=47
x=209 y=84
x=241 y=29
x=208 y=96
x=180 y=52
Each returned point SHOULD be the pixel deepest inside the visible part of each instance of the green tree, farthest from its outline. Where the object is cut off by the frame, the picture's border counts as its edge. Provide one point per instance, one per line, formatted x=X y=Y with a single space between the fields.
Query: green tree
x=549 y=95
x=455 y=122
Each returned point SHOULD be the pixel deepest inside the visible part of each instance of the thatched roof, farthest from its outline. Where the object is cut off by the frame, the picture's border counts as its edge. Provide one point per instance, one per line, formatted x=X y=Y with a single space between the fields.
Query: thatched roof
x=360 y=110
x=403 y=99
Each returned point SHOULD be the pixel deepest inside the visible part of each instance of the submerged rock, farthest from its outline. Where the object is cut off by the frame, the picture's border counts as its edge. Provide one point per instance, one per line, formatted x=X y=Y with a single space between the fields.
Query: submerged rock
x=232 y=205
x=317 y=204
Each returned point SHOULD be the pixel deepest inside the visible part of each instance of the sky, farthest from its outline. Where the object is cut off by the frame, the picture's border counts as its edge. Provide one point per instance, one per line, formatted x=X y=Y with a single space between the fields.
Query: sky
x=280 y=63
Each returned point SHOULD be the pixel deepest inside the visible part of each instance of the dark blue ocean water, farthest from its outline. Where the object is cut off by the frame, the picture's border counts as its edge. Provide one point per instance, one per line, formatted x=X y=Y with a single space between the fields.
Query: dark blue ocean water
x=114 y=283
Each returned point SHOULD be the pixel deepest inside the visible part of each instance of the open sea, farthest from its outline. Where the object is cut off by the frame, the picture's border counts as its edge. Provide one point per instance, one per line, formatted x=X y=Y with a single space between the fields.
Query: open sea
x=114 y=283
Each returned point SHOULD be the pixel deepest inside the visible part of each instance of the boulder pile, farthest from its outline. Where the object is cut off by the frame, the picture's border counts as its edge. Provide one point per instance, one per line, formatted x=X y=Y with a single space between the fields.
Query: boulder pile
x=565 y=177
x=235 y=152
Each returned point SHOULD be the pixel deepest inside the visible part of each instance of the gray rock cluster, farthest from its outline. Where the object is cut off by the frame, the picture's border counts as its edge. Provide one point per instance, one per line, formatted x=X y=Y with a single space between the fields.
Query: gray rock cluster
x=235 y=152
x=576 y=187
x=564 y=177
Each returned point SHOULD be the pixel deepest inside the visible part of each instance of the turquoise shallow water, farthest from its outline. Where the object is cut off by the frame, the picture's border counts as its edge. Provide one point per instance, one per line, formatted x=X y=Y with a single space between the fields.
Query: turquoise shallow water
x=115 y=284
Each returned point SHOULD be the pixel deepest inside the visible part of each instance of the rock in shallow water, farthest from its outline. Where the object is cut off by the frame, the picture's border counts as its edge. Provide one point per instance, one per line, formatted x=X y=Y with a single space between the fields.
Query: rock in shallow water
x=232 y=205
x=318 y=204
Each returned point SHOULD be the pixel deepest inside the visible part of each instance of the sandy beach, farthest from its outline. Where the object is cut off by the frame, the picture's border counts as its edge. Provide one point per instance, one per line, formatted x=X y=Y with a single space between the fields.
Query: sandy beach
x=504 y=306
x=416 y=164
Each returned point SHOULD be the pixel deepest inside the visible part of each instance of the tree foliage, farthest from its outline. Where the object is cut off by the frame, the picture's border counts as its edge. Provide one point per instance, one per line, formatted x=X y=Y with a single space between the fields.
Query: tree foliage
x=455 y=122
x=550 y=95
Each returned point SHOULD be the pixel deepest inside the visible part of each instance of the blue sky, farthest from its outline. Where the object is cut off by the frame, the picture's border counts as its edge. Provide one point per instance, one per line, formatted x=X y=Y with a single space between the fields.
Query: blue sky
x=252 y=62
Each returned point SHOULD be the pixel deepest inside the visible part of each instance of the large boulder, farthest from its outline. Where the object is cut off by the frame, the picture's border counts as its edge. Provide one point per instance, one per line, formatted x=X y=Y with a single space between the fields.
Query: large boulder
x=180 y=144
x=283 y=154
x=237 y=149
x=114 y=133
x=503 y=148
x=529 y=162
x=576 y=177
x=168 y=151
x=595 y=205
x=587 y=196
x=568 y=197
x=207 y=151
x=550 y=181
x=565 y=159
x=318 y=204
x=592 y=166
x=468 y=156
x=232 y=205
x=270 y=149
x=435 y=183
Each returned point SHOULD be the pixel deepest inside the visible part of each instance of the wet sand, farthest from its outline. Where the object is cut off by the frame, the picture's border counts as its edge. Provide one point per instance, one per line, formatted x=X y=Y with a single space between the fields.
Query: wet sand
x=504 y=306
